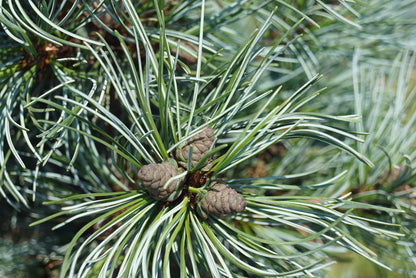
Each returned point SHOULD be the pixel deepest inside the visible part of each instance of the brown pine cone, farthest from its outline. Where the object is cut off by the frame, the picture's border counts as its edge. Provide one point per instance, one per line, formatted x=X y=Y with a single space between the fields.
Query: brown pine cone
x=221 y=199
x=201 y=143
x=155 y=176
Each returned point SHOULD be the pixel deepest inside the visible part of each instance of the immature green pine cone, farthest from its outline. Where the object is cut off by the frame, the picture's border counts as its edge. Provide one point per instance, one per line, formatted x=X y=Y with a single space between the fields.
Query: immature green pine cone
x=221 y=199
x=154 y=176
x=201 y=143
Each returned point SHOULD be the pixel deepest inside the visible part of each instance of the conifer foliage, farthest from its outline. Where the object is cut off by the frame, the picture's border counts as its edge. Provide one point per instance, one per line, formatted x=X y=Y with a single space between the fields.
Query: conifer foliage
x=197 y=138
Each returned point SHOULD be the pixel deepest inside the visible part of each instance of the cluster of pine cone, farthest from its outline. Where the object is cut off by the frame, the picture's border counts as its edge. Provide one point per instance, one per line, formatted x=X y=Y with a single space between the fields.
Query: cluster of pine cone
x=159 y=178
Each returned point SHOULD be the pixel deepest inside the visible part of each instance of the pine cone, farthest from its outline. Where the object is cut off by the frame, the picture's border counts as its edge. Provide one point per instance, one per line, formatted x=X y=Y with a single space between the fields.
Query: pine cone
x=221 y=199
x=154 y=177
x=201 y=143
